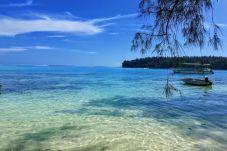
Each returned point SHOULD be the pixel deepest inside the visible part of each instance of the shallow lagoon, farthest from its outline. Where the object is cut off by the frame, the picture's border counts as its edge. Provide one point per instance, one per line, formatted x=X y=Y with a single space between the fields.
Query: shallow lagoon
x=73 y=108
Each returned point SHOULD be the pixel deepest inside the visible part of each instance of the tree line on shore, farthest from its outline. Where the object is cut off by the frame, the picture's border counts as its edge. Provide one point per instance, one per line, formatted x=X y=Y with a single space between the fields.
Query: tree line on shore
x=171 y=62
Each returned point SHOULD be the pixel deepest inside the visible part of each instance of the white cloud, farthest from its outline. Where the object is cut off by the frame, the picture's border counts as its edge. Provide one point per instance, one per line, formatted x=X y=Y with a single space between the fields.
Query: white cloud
x=28 y=48
x=12 y=27
x=91 y=52
x=98 y=20
x=222 y=25
x=40 y=16
x=22 y=49
x=27 y=3
x=12 y=49
x=114 y=34
x=70 y=15
x=41 y=47
x=107 y=25
x=57 y=36
x=62 y=16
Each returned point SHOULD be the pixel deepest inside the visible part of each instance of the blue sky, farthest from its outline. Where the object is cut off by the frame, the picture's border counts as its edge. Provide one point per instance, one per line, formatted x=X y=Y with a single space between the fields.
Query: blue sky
x=77 y=32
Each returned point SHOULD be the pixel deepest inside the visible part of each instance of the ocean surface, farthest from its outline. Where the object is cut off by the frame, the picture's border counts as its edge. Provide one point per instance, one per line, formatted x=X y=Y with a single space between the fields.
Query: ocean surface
x=98 y=109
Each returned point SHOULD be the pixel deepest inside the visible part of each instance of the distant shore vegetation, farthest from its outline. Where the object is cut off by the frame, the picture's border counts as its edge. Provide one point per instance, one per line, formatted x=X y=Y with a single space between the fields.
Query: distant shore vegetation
x=172 y=62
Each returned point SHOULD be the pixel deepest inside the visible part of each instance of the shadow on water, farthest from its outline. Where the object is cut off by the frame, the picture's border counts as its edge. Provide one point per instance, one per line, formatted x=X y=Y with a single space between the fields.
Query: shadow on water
x=33 y=141
x=46 y=85
x=204 y=89
x=198 y=118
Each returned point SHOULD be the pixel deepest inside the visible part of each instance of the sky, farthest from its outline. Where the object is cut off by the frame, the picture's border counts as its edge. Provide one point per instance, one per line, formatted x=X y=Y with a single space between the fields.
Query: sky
x=78 y=32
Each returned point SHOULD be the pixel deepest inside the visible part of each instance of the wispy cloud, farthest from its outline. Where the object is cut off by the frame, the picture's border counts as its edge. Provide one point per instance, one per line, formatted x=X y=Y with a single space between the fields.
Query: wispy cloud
x=91 y=52
x=98 y=20
x=27 y=3
x=71 y=15
x=22 y=49
x=114 y=34
x=63 y=15
x=40 y=47
x=86 y=52
x=12 y=27
x=57 y=36
x=44 y=23
x=222 y=25
x=12 y=49
x=107 y=25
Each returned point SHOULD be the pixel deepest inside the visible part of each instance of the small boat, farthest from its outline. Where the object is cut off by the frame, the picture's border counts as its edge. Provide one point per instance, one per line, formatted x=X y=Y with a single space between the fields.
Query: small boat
x=197 y=82
x=193 y=68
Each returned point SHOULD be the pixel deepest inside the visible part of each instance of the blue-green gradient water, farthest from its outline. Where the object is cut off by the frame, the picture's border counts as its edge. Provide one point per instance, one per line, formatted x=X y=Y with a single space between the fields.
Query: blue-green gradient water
x=89 y=109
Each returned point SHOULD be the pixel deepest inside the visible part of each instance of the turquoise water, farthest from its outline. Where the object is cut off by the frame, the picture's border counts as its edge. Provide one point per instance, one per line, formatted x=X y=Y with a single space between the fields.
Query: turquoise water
x=73 y=108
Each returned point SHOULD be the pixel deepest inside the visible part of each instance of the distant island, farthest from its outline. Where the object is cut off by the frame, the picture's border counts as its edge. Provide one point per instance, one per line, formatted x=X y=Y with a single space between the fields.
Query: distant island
x=171 y=62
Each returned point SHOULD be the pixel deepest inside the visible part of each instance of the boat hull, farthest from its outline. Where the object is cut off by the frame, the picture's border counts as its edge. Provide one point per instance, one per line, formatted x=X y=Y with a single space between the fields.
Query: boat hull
x=183 y=71
x=196 y=82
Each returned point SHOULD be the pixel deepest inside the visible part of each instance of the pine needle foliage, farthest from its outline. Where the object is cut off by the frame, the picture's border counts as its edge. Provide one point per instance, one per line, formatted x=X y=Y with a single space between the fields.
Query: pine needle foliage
x=173 y=24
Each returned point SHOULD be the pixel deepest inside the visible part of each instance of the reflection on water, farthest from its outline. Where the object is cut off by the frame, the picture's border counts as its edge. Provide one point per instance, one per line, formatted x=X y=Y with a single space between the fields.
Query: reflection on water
x=71 y=108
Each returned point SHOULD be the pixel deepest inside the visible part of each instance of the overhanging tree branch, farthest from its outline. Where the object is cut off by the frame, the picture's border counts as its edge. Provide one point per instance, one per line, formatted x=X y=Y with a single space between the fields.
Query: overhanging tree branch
x=171 y=19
